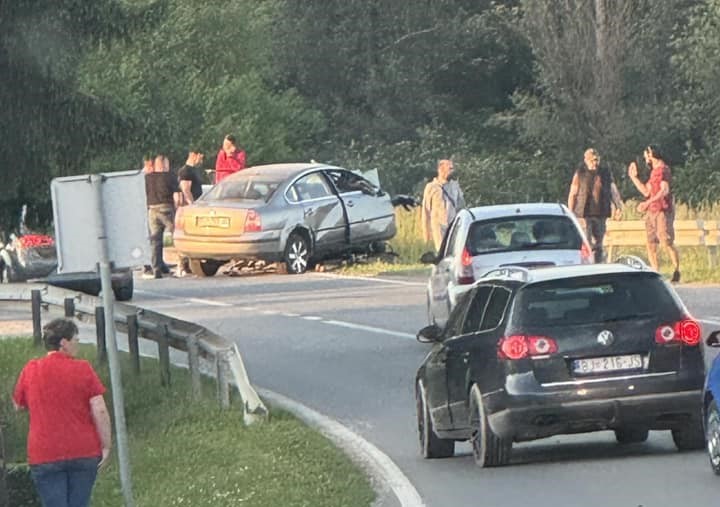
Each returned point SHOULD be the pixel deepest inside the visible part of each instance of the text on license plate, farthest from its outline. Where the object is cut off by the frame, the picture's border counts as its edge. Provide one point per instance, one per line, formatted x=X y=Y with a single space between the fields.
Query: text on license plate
x=608 y=363
x=212 y=221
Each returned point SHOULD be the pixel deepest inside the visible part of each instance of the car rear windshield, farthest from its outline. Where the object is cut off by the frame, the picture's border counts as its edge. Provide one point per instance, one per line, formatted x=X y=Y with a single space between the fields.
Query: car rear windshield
x=585 y=300
x=250 y=187
x=542 y=232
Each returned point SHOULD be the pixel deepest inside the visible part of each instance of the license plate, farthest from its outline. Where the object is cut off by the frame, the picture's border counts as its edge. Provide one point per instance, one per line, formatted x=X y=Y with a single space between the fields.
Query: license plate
x=608 y=363
x=212 y=221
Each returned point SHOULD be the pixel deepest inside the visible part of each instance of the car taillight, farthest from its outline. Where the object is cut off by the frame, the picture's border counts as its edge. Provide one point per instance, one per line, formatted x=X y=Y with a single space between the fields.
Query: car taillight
x=520 y=346
x=685 y=331
x=466 y=275
x=179 y=219
x=252 y=221
x=586 y=254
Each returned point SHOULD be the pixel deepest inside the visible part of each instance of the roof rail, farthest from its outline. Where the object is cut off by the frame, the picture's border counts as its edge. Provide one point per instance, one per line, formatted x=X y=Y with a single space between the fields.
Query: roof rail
x=633 y=261
x=513 y=272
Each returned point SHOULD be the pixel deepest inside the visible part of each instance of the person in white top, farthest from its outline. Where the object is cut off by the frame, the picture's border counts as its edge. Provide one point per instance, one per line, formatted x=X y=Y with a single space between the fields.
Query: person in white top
x=442 y=199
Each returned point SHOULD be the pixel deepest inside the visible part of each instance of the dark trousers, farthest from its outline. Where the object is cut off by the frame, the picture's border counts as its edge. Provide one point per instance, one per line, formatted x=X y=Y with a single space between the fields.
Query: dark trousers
x=65 y=483
x=160 y=219
x=595 y=232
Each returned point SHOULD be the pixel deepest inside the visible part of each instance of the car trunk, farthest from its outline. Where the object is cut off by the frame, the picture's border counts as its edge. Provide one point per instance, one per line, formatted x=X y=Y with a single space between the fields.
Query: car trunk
x=215 y=220
x=525 y=258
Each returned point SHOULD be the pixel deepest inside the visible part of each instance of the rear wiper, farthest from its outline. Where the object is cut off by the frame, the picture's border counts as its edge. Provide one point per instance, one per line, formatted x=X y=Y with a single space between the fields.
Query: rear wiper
x=628 y=317
x=541 y=243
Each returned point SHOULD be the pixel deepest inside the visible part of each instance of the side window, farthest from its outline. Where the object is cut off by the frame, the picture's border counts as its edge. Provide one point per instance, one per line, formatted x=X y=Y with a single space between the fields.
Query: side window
x=453 y=239
x=311 y=186
x=455 y=320
x=476 y=309
x=346 y=181
x=495 y=309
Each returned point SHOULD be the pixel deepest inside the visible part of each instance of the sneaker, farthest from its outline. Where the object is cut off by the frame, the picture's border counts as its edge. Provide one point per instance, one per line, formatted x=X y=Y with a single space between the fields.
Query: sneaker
x=148 y=276
x=675 y=277
x=147 y=270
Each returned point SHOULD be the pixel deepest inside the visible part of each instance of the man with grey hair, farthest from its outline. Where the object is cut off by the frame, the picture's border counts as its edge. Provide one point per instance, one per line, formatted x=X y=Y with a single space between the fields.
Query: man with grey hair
x=442 y=199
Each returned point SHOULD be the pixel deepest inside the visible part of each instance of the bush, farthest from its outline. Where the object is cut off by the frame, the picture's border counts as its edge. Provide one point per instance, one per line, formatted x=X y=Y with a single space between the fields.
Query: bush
x=21 y=490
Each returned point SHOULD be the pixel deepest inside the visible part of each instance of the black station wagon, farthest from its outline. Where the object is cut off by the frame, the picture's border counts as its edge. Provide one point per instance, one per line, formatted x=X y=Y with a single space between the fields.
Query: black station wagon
x=530 y=354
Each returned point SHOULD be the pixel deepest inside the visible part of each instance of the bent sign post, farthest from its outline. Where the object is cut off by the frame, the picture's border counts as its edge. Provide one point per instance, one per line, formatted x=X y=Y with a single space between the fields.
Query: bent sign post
x=100 y=220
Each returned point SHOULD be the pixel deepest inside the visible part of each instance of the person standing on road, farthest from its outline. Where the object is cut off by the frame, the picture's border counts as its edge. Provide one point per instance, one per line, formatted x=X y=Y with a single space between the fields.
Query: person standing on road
x=442 y=199
x=70 y=437
x=659 y=207
x=229 y=160
x=592 y=192
x=160 y=186
x=190 y=189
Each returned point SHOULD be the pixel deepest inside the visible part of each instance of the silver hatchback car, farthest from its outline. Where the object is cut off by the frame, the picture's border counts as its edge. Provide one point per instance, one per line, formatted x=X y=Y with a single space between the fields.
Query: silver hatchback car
x=486 y=238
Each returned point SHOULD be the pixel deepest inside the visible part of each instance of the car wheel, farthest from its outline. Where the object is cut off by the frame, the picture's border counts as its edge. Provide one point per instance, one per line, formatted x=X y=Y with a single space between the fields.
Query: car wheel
x=690 y=437
x=712 y=435
x=204 y=267
x=431 y=446
x=297 y=254
x=489 y=450
x=125 y=291
x=631 y=435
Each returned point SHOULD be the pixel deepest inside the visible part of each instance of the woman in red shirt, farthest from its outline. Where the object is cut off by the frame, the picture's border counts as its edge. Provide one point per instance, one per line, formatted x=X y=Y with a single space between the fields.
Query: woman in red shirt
x=69 y=437
x=229 y=160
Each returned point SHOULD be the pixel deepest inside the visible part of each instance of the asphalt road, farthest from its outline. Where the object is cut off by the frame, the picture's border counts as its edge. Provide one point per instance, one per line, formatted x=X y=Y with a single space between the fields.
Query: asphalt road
x=346 y=348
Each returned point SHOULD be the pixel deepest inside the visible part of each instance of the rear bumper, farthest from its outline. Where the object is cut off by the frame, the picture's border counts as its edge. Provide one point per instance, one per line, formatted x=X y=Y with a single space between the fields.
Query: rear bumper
x=265 y=245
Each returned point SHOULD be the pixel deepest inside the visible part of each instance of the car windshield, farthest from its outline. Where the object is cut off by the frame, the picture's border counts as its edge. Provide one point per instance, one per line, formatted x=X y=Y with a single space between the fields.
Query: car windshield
x=546 y=232
x=244 y=187
x=574 y=301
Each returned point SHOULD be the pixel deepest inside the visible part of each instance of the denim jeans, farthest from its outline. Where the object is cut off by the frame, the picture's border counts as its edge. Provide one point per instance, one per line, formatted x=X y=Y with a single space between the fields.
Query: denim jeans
x=595 y=229
x=65 y=483
x=160 y=219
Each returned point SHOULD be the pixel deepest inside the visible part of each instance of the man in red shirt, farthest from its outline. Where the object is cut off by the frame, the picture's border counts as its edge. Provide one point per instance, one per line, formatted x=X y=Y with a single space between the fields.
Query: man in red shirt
x=659 y=208
x=229 y=160
x=69 y=438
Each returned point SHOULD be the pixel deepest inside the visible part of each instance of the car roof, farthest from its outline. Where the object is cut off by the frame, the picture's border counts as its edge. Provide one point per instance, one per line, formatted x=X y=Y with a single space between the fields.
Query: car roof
x=509 y=210
x=280 y=170
x=546 y=274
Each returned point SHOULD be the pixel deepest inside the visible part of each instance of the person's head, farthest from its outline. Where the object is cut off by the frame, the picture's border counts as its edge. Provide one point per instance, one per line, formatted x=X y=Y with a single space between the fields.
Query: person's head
x=652 y=154
x=591 y=159
x=229 y=145
x=195 y=158
x=61 y=335
x=444 y=169
x=147 y=164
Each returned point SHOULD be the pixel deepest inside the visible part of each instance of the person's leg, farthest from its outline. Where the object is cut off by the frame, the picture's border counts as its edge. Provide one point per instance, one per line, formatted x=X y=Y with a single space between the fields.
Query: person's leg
x=166 y=217
x=652 y=239
x=601 y=228
x=81 y=478
x=51 y=483
x=666 y=235
x=596 y=233
x=156 y=238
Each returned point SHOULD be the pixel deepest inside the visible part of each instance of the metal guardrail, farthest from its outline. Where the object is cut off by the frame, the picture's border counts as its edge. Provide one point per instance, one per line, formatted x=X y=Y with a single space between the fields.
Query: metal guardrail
x=168 y=332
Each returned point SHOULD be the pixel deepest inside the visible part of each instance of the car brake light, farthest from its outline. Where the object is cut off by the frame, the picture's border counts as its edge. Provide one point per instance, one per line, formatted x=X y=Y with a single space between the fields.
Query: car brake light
x=586 y=254
x=516 y=347
x=685 y=331
x=179 y=219
x=466 y=275
x=252 y=221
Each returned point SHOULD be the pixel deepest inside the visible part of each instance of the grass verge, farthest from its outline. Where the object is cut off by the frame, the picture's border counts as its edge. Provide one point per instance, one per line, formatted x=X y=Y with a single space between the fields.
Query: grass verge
x=187 y=453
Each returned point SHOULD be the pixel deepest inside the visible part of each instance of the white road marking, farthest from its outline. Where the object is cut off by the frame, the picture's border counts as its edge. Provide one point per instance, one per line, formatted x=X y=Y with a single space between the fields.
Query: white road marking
x=370 y=279
x=270 y=312
x=373 y=460
x=288 y=314
x=371 y=329
x=311 y=317
x=209 y=302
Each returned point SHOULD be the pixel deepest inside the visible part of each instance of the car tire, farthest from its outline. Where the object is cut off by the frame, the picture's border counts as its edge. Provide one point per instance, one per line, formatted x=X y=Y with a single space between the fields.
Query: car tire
x=630 y=435
x=204 y=267
x=690 y=437
x=125 y=291
x=297 y=254
x=431 y=446
x=712 y=436
x=489 y=450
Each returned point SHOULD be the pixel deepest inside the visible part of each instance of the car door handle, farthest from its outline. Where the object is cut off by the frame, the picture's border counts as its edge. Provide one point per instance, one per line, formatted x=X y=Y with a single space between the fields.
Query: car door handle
x=350 y=204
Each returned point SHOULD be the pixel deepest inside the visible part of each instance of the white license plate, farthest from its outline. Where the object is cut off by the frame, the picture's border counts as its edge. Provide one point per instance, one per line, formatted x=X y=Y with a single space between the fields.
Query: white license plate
x=212 y=222
x=608 y=363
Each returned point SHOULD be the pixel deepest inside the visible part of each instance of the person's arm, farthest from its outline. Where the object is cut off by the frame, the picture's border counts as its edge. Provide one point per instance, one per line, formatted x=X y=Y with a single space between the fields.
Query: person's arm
x=574 y=189
x=186 y=189
x=241 y=159
x=18 y=396
x=664 y=190
x=425 y=214
x=101 y=418
x=461 y=198
x=642 y=188
x=617 y=201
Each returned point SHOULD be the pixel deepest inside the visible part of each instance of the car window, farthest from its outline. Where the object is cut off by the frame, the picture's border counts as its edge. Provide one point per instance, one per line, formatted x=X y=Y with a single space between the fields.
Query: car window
x=595 y=299
x=495 y=309
x=250 y=187
x=455 y=320
x=475 y=311
x=311 y=186
x=537 y=232
x=346 y=181
x=451 y=245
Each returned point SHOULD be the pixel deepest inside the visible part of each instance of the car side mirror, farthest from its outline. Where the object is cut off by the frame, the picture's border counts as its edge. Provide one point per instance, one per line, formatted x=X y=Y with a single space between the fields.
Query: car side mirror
x=429 y=258
x=713 y=340
x=429 y=334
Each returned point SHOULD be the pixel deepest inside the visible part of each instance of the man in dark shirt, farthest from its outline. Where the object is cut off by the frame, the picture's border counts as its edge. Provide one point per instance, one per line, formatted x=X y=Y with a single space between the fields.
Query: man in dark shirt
x=189 y=179
x=160 y=186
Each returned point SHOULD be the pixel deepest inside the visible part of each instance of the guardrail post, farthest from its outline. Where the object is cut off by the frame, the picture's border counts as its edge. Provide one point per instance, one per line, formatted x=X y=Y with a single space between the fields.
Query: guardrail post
x=223 y=390
x=69 y=307
x=164 y=357
x=100 y=334
x=133 y=345
x=36 y=301
x=194 y=366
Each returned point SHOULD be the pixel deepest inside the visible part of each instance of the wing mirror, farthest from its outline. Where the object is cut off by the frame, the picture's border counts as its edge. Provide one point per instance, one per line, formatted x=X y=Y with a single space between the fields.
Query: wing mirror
x=429 y=258
x=713 y=340
x=429 y=334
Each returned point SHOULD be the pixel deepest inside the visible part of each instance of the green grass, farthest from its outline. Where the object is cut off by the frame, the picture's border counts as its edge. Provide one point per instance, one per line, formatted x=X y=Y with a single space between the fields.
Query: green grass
x=187 y=453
